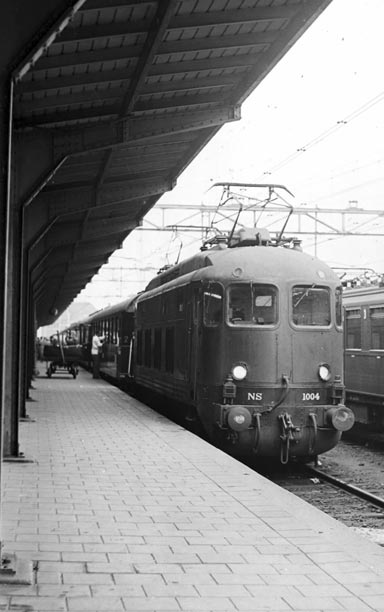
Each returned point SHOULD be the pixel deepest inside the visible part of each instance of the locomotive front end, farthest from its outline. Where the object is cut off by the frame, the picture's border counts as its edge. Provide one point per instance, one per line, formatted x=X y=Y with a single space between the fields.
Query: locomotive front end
x=286 y=421
x=281 y=359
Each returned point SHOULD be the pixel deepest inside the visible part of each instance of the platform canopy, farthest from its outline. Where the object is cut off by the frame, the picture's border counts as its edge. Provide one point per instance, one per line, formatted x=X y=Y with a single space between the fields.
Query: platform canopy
x=112 y=101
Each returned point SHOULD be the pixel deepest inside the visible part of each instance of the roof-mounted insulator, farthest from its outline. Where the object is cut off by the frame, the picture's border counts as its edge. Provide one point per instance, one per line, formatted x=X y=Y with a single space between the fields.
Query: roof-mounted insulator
x=250 y=237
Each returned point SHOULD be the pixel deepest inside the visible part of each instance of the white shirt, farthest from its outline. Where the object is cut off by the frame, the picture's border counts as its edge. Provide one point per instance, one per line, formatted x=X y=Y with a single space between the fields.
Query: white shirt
x=96 y=344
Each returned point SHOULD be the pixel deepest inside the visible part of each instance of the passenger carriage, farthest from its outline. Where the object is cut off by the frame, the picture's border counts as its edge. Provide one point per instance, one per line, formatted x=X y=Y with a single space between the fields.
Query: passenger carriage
x=364 y=353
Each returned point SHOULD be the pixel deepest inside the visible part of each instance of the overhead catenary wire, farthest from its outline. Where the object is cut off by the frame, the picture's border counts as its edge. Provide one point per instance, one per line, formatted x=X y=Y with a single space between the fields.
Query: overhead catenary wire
x=328 y=132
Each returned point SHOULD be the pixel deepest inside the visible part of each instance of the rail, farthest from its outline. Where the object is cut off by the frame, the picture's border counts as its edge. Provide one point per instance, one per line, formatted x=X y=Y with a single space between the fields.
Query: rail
x=349 y=488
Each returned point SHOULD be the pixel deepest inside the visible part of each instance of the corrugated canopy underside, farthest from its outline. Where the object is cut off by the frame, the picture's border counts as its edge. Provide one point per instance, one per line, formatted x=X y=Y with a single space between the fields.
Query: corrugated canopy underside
x=130 y=91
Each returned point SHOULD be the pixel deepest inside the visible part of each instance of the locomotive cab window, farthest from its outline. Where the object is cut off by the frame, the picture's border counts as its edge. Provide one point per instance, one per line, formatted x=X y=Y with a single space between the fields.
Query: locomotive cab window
x=311 y=305
x=213 y=304
x=252 y=304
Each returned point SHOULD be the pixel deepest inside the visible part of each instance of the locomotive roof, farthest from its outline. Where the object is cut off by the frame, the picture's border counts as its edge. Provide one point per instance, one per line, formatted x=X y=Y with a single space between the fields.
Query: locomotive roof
x=266 y=263
x=201 y=260
x=247 y=263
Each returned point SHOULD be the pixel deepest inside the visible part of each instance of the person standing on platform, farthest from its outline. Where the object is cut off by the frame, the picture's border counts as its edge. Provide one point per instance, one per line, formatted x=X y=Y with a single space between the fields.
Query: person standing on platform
x=97 y=343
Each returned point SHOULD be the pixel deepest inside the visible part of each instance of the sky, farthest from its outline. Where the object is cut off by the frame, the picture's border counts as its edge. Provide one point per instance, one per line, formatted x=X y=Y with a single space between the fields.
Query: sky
x=314 y=124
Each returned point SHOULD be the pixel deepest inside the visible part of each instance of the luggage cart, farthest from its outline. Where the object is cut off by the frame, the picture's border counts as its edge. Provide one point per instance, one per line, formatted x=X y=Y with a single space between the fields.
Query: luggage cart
x=61 y=357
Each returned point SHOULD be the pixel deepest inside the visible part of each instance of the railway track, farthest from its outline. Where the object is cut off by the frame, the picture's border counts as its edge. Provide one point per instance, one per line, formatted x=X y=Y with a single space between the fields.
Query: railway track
x=358 y=508
x=349 y=488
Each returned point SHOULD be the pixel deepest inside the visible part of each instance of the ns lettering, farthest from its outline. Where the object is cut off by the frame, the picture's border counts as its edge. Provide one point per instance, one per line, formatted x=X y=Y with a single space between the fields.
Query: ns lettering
x=255 y=397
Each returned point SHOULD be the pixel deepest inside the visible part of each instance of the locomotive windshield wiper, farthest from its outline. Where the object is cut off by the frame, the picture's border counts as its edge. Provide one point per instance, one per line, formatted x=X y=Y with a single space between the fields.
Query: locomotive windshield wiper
x=305 y=294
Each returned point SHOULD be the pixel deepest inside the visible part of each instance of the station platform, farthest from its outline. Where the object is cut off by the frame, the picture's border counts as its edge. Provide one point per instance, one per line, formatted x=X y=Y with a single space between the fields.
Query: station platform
x=115 y=508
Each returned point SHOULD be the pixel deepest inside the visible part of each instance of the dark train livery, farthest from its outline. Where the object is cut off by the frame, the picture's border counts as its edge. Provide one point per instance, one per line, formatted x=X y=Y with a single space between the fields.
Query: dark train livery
x=247 y=335
x=364 y=352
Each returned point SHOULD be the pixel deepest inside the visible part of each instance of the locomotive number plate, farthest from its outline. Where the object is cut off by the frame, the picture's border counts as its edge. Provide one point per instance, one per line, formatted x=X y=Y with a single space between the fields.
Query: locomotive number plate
x=310 y=396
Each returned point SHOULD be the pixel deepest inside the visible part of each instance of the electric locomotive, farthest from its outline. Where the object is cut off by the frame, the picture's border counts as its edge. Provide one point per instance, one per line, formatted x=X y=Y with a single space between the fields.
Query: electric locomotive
x=247 y=337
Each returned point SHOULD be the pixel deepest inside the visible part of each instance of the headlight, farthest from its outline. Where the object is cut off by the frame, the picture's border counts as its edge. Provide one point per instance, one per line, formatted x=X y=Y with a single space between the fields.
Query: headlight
x=239 y=371
x=324 y=371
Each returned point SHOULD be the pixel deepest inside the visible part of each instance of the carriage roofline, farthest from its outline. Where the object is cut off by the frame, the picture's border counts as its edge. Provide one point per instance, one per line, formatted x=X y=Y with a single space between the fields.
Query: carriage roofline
x=126 y=305
x=363 y=295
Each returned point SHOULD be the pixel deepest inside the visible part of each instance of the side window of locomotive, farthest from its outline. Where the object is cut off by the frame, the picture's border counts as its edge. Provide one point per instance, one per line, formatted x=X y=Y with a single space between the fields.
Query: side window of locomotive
x=169 y=349
x=376 y=316
x=148 y=347
x=157 y=349
x=353 y=328
x=311 y=305
x=339 y=306
x=213 y=304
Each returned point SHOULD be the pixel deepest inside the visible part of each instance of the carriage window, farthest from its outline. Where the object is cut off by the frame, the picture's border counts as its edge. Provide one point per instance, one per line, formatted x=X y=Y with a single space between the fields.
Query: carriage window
x=213 y=304
x=376 y=316
x=338 y=306
x=311 y=305
x=252 y=304
x=353 y=329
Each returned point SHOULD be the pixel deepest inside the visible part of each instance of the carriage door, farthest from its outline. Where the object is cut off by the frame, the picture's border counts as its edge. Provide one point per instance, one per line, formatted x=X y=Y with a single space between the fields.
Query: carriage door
x=194 y=337
x=125 y=342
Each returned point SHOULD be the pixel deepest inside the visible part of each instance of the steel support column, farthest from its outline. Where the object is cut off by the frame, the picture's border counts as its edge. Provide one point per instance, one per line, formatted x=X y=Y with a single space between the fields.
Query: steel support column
x=8 y=422
x=22 y=25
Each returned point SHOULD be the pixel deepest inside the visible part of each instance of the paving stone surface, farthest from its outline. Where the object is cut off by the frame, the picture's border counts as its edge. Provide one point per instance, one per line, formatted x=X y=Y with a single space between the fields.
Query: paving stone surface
x=116 y=508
